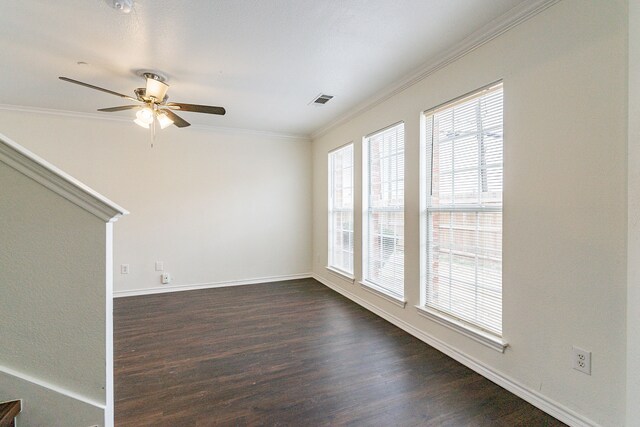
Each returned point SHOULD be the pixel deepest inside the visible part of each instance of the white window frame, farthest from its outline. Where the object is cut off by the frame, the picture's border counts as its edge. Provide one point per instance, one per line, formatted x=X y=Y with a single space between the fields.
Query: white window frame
x=473 y=331
x=367 y=211
x=331 y=264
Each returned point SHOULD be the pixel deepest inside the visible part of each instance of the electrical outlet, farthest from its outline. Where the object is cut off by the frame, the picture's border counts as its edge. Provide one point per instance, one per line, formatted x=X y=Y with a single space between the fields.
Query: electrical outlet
x=124 y=268
x=581 y=360
x=166 y=278
x=159 y=266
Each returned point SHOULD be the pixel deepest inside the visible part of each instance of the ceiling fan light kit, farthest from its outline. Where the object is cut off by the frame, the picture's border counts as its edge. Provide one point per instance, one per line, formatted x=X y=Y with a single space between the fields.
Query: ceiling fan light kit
x=152 y=103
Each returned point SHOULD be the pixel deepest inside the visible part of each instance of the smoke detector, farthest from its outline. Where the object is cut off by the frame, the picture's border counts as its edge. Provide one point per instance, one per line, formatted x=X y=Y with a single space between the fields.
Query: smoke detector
x=321 y=99
x=123 y=6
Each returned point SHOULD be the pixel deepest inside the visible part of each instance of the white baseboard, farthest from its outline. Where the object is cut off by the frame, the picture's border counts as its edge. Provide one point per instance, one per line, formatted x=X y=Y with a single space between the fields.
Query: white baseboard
x=43 y=402
x=538 y=400
x=178 y=288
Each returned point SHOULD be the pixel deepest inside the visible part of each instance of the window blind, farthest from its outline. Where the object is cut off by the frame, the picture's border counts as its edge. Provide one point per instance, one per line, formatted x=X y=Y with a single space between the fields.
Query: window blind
x=464 y=141
x=384 y=224
x=341 y=209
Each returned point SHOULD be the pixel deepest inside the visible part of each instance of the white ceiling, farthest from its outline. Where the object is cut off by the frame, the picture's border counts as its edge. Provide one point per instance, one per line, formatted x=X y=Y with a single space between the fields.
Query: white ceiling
x=263 y=60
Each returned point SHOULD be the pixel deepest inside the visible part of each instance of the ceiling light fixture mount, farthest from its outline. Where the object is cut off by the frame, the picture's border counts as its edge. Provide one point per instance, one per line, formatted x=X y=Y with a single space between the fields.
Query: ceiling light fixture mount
x=123 y=6
x=151 y=74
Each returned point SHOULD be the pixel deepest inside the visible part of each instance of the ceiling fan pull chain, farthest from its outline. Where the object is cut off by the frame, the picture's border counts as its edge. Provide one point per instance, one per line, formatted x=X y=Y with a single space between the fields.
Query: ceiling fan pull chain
x=153 y=131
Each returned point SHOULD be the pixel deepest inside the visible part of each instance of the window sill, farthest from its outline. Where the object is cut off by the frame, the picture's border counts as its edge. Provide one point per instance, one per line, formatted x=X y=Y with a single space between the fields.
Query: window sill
x=476 y=334
x=376 y=290
x=341 y=274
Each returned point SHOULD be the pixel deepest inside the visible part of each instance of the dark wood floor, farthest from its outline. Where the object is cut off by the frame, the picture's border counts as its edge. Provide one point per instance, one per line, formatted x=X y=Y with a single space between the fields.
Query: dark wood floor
x=290 y=353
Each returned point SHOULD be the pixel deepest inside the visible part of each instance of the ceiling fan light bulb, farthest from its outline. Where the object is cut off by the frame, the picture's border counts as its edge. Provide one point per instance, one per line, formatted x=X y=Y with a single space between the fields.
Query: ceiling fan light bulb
x=145 y=116
x=164 y=120
x=141 y=123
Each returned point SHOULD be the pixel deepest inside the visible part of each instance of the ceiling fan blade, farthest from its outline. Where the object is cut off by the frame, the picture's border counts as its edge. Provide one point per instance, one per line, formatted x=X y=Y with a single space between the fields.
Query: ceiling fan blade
x=67 y=79
x=124 y=107
x=177 y=120
x=197 y=108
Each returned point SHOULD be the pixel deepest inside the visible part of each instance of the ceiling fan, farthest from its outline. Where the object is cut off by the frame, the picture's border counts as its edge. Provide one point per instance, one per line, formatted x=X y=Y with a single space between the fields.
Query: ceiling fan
x=152 y=103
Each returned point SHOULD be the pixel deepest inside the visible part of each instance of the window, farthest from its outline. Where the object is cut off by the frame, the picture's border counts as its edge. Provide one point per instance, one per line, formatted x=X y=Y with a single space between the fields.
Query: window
x=463 y=228
x=341 y=209
x=384 y=211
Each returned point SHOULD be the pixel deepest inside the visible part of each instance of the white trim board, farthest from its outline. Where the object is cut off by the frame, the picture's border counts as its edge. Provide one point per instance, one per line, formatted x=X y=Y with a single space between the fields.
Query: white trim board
x=51 y=387
x=109 y=388
x=538 y=400
x=493 y=29
x=61 y=183
x=179 y=288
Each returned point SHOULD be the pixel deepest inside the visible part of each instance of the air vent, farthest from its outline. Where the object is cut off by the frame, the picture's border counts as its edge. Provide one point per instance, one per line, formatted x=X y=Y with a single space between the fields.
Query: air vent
x=321 y=99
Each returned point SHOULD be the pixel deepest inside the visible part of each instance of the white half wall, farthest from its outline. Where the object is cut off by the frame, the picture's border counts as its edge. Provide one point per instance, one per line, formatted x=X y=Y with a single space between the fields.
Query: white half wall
x=213 y=206
x=565 y=204
x=53 y=319
x=52 y=307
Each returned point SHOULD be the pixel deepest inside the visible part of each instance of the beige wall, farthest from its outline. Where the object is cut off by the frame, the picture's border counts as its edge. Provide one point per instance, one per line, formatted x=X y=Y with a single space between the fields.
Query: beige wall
x=53 y=321
x=565 y=222
x=633 y=281
x=213 y=206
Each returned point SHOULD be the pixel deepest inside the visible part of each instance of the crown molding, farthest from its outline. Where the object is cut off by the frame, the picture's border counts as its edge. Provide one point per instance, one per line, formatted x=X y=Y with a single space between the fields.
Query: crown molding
x=43 y=172
x=240 y=131
x=121 y=119
x=515 y=16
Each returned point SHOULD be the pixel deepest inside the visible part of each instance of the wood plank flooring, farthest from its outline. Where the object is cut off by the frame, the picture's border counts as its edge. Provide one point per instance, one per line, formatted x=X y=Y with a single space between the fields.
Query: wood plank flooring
x=290 y=353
